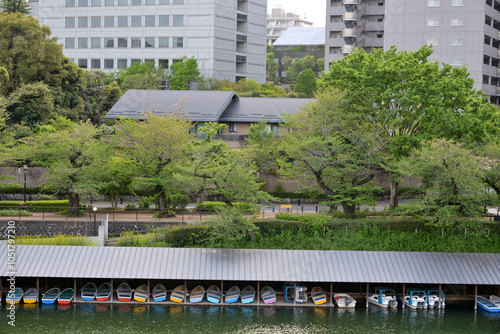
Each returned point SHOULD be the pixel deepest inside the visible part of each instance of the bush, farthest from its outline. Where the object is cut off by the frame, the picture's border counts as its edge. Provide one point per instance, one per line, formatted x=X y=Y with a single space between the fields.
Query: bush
x=210 y=206
x=276 y=226
x=59 y=240
x=36 y=205
x=130 y=239
x=12 y=213
x=287 y=216
x=14 y=188
x=186 y=235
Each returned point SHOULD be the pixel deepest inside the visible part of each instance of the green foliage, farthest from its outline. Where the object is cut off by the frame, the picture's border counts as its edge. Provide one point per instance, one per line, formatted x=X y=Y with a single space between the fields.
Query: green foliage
x=16 y=6
x=36 y=205
x=131 y=239
x=58 y=240
x=306 y=83
x=187 y=235
x=229 y=228
x=13 y=213
x=146 y=201
x=271 y=68
x=287 y=216
x=176 y=201
x=15 y=188
x=185 y=74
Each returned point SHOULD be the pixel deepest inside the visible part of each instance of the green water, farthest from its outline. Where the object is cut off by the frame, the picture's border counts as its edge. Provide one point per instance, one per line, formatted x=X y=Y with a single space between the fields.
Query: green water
x=125 y=319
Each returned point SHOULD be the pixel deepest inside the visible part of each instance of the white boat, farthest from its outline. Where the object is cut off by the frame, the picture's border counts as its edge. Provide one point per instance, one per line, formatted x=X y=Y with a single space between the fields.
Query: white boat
x=103 y=292
x=343 y=300
x=178 y=294
x=435 y=298
x=197 y=294
x=247 y=294
x=383 y=297
x=159 y=293
x=268 y=295
x=295 y=293
x=89 y=292
x=214 y=294
x=124 y=292
x=318 y=295
x=494 y=299
x=30 y=296
x=232 y=295
x=487 y=305
x=415 y=299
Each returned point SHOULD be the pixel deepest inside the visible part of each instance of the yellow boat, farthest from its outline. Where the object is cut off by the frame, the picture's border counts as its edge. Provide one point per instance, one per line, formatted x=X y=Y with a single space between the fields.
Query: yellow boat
x=318 y=295
x=141 y=293
x=30 y=296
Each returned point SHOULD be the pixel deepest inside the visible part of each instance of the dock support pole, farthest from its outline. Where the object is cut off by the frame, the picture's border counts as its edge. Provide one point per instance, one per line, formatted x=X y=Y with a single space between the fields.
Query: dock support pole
x=1 y=279
x=37 y=288
x=367 y=292
x=294 y=292
x=331 y=294
x=403 y=298
x=112 y=292
x=439 y=297
x=258 y=293
x=185 y=291
x=221 y=291
x=475 y=298
x=149 y=291
x=74 y=288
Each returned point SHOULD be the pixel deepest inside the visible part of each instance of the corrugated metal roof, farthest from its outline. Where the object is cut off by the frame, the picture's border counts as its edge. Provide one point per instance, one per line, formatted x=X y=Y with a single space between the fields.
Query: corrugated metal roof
x=201 y=106
x=294 y=36
x=253 y=265
x=254 y=109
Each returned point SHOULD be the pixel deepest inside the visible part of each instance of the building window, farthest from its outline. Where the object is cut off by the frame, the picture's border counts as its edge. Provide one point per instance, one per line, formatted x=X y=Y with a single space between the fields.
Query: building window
x=457 y=42
x=487 y=40
x=163 y=42
x=122 y=42
x=109 y=21
x=83 y=22
x=83 y=3
x=69 y=22
x=178 y=20
x=232 y=127
x=69 y=43
x=149 y=42
x=82 y=63
x=109 y=2
x=456 y=62
x=96 y=3
x=433 y=42
x=135 y=21
x=178 y=2
x=134 y=61
x=109 y=42
x=164 y=20
x=122 y=63
x=150 y=2
x=487 y=20
x=122 y=2
x=457 y=22
x=109 y=63
x=95 y=63
x=82 y=43
x=95 y=21
x=136 y=2
x=178 y=42
x=135 y=42
x=164 y=2
x=486 y=80
x=486 y=60
x=122 y=21
x=95 y=43
x=457 y=2
x=70 y=3
x=163 y=63
x=150 y=21
x=433 y=22
x=434 y=3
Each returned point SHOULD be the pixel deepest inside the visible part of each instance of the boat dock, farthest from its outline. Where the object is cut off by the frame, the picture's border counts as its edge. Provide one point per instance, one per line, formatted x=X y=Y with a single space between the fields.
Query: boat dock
x=462 y=276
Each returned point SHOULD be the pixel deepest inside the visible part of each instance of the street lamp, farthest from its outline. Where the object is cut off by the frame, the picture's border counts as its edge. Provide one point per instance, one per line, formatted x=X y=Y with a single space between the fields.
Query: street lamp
x=95 y=212
x=25 y=167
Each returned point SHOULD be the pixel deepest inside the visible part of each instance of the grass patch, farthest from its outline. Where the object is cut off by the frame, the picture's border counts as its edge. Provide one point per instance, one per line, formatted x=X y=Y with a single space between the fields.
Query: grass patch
x=58 y=240
x=14 y=213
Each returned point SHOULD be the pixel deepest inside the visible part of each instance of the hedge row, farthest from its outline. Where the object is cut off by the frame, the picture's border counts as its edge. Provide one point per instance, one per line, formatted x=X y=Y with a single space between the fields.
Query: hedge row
x=213 y=206
x=36 y=205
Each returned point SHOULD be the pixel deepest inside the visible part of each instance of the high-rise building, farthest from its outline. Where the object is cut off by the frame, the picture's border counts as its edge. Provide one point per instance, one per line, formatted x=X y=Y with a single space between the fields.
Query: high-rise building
x=226 y=37
x=461 y=32
x=279 y=21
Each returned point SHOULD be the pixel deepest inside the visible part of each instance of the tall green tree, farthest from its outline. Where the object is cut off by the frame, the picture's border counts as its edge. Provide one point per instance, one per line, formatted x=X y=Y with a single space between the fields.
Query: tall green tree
x=185 y=74
x=16 y=6
x=409 y=99
x=271 y=68
x=306 y=83
x=294 y=70
x=309 y=63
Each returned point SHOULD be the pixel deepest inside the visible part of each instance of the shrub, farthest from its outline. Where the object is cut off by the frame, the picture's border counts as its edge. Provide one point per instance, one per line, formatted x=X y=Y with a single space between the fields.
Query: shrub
x=287 y=216
x=185 y=235
x=12 y=213
x=59 y=240
x=14 y=188
x=210 y=206
x=36 y=205
x=130 y=239
x=276 y=226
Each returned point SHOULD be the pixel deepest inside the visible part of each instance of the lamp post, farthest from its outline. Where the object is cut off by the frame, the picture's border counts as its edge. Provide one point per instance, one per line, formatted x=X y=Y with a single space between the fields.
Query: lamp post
x=95 y=212
x=25 y=167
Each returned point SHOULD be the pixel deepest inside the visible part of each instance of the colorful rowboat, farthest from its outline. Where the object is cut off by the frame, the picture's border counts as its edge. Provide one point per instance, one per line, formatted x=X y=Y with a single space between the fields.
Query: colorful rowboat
x=159 y=293
x=197 y=294
x=232 y=295
x=66 y=296
x=124 y=292
x=268 y=295
x=104 y=292
x=318 y=295
x=89 y=292
x=50 y=297
x=214 y=294
x=487 y=305
x=30 y=296
x=248 y=294
x=14 y=296
x=141 y=293
x=178 y=294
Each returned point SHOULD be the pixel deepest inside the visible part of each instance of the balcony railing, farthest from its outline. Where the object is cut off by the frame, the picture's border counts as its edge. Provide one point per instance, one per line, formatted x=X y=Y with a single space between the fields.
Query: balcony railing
x=241 y=59
x=224 y=137
x=241 y=38
x=348 y=48
x=351 y=2
x=350 y=16
x=241 y=17
x=350 y=33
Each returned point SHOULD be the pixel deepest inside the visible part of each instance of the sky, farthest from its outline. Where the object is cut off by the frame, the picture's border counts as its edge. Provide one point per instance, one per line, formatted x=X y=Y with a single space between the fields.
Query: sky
x=314 y=10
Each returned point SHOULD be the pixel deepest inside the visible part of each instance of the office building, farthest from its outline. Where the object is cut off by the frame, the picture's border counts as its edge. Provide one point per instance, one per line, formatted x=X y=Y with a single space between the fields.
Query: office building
x=279 y=21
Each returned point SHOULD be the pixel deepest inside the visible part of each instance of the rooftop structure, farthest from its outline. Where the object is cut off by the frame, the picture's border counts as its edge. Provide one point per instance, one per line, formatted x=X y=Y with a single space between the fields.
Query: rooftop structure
x=279 y=21
x=307 y=36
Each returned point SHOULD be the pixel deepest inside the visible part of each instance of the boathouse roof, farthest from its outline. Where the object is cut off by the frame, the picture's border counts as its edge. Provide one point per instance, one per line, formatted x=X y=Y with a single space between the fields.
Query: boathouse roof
x=252 y=265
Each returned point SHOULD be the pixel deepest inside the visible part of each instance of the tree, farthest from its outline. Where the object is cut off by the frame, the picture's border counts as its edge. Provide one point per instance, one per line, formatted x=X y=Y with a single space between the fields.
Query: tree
x=116 y=177
x=320 y=64
x=286 y=62
x=73 y=151
x=185 y=74
x=309 y=63
x=16 y=6
x=229 y=227
x=93 y=95
x=247 y=85
x=306 y=83
x=331 y=144
x=143 y=81
x=271 y=68
x=145 y=70
x=112 y=94
x=34 y=105
x=293 y=71
x=409 y=99
x=157 y=145
x=263 y=147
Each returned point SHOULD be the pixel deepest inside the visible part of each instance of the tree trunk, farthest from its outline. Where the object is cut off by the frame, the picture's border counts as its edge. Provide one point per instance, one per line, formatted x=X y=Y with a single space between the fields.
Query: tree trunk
x=393 y=202
x=349 y=209
x=161 y=199
x=74 y=202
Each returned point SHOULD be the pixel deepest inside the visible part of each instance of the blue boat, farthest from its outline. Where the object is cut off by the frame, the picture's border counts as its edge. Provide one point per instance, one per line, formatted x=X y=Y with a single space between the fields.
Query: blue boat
x=487 y=305
x=50 y=297
x=214 y=294
x=14 y=296
x=232 y=295
x=248 y=294
x=159 y=293
x=89 y=292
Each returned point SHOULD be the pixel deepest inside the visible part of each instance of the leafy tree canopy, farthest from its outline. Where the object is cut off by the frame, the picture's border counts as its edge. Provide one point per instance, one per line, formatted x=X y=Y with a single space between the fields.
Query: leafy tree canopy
x=16 y=6
x=185 y=74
